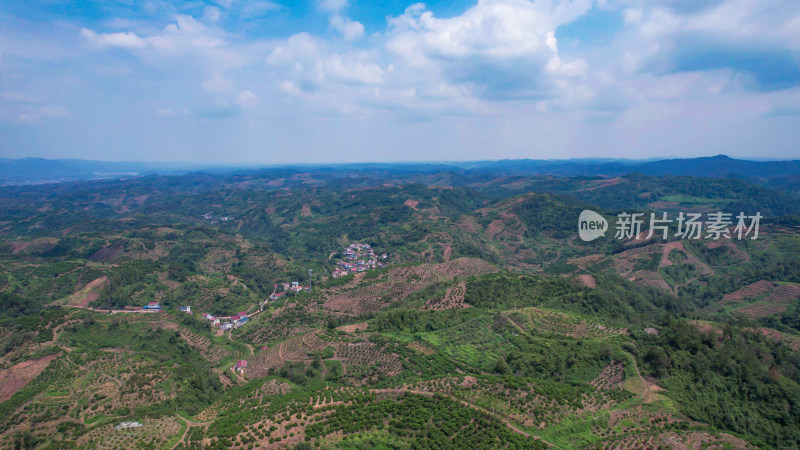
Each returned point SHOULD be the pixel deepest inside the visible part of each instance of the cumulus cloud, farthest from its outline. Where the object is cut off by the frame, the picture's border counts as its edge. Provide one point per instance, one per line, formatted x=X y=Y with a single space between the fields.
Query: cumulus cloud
x=499 y=49
x=191 y=49
x=254 y=9
x=247 y=100
x=349 y=29
x=127 y=40
x=661 y=61
x=312 y=63
x=333 y=6
x=748 y=36
x=212 y=14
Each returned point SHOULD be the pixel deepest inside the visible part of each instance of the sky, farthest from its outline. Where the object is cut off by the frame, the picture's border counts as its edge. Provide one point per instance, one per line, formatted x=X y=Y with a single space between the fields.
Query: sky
x=274 y=81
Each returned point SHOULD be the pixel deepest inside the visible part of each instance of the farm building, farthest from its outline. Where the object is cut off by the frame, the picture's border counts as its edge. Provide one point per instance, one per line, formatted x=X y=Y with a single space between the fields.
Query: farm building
x=241 y=365
x=226 y=326
x=123 y=425
x=152 y=305
x=186 y=309
x=241 y=322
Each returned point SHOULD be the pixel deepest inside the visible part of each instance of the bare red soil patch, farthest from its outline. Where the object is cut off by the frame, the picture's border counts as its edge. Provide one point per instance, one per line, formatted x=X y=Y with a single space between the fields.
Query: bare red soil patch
x=356 y=327
x=469 y=224
x=587 y=280
x=605 y=183
x=16 y=377
x=466 y=267
x=495 y=228
x=106 y=253
x=17 y=247
x=781 y=298
x=411 y=203
x=750 y=291
x=306 y=211
x=399 y=283
x=586 y=261
x=447 y=251
x=88 y=293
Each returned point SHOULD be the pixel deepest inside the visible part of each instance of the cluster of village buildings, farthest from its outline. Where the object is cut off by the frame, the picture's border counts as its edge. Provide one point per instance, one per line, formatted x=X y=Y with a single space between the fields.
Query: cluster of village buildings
x=358 y=258
x=294 y=286
x=224 y=323
x=235 y=321
x=208 y=216
x=123 y=425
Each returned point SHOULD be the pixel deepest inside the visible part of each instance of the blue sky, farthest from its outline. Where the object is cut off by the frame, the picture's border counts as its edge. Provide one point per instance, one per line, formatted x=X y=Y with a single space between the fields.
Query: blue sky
x=273 y=81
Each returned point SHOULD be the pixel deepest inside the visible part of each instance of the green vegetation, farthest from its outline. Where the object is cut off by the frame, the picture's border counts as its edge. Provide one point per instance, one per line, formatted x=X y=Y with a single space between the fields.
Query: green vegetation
x=492 y=326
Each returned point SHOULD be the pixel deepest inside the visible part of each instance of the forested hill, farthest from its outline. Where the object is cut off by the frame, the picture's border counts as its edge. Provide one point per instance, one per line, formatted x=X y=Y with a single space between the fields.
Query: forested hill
x=774 y=173
x=450 y=307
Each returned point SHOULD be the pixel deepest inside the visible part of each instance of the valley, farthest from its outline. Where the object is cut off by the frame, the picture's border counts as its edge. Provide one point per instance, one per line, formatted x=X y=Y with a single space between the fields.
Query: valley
x=489 y=322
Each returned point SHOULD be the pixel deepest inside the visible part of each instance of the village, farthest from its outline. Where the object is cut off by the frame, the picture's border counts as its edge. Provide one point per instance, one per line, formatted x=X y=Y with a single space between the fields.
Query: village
x=358 y=258
x=225 y=323
x=208 y=216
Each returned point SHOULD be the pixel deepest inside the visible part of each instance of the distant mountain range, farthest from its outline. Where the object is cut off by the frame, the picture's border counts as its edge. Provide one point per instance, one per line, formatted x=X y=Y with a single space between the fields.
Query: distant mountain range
x=780 y=173
x=40 y=170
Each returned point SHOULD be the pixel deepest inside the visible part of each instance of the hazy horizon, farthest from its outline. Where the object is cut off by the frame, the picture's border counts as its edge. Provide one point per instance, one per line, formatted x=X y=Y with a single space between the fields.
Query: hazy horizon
x=258 y=164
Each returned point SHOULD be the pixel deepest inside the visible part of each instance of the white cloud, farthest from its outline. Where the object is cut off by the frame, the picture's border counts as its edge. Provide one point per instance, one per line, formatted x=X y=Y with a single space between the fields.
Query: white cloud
x=127 y=40
x=657 y=30
x=192 y=50
x=349 y=29
x=212 y=13
x=227 y=4
x=254 y=9
x=310 y=60
x=333 y=6
x=498 y=49
x=217 y=84
x=492 y=28
x=247 y=100
x=497 y=62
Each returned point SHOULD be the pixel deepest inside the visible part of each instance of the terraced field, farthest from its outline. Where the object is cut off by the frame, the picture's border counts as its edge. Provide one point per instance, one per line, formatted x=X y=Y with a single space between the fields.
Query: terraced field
x=453 y=299
x=154 y=433
x=757 y=300
x=214 y=353
x=401 y=282
x=779 y=300
x=543 y=321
